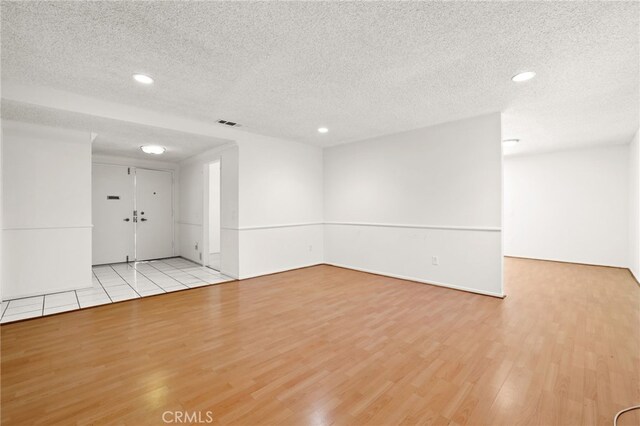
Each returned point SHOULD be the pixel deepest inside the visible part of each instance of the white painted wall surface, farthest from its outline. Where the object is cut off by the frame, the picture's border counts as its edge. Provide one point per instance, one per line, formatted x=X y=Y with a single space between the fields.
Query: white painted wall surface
x=280 y=182
x=276 y=249
x=214 y=208
x=190 y=221
x=46 y=176
x=391 y=202
x=274 y=221
x=193 y=199
x=281 y=203
x=1 y=211
x=634 y=206
x=406 y=253
x=568 y=206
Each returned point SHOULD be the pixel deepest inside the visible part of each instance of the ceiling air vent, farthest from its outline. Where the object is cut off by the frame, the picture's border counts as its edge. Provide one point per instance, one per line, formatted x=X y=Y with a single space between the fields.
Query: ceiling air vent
x=228 y=123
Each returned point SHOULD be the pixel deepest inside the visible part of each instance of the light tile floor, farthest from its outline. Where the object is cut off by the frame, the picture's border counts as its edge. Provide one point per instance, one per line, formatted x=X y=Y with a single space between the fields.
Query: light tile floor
x=114 y=283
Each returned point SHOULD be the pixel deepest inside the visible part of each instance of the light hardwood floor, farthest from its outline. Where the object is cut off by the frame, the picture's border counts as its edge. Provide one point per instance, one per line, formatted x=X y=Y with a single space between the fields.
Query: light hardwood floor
x=325 y=345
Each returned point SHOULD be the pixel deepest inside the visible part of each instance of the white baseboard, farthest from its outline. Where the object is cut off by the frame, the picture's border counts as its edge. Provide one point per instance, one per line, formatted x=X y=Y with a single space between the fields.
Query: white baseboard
x=370 y=271
x=402 y=277
x=575 y=262
x=277 y=271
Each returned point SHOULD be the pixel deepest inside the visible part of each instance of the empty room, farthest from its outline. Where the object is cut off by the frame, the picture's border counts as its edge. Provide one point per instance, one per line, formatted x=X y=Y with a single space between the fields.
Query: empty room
x=320 y=213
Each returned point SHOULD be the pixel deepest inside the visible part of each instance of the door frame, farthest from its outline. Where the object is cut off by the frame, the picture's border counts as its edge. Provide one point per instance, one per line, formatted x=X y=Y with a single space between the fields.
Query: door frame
x=135 y=165
x=205 y=212
x=132 y=187
x=135 y=204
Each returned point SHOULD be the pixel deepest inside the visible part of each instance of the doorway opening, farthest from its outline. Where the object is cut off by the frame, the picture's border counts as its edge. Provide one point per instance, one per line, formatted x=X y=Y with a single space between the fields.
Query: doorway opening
x=212 y=257
x=132 y=210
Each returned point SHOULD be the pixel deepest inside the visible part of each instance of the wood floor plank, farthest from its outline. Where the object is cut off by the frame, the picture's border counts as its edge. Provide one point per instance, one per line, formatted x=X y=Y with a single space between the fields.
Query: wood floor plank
x=331 y=346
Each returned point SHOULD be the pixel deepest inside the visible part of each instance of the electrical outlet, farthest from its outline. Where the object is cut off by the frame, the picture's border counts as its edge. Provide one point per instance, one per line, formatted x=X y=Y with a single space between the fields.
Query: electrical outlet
x=435 y=261
x=310 y=248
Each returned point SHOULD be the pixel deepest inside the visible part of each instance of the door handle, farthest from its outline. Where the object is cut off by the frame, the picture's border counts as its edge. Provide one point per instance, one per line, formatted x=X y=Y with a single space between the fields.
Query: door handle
x=143 y=219
x=127 y=219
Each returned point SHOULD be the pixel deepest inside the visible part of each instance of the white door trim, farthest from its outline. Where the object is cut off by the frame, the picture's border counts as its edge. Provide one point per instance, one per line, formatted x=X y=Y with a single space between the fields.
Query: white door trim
x=205 y=210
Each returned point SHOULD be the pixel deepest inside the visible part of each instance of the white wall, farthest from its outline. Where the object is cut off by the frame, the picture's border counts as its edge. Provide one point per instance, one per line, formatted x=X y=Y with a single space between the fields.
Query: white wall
x=394 y=202
x=301 y=200
x=634 y=207
x=271 y=200
x=192 y=221
x=273 y=216
x=46 y=237
x=214 y=208
x=568 y=206
x=281 y=203
x=1 y=212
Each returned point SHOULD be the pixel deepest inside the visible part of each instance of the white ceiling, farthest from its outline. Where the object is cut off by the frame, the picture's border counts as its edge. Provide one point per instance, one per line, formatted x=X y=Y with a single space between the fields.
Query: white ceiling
x=115 y=137
x=360 y=69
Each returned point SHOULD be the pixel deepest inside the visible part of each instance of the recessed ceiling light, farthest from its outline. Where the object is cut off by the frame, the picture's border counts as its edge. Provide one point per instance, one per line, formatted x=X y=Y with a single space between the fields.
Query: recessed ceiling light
x=322 y=130
x=510 y=142
x=143 y=78
x=153 y=149
x=523 y=76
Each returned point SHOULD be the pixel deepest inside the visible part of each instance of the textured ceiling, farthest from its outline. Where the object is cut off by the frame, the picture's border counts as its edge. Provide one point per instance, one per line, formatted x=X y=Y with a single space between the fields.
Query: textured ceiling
x=115 y=137
x=360 y=69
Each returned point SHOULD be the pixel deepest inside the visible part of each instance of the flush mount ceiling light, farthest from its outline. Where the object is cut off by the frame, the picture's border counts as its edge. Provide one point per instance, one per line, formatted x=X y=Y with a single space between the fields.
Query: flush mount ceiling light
x=322 y=130
x=153 y=149
x=510 y=142
x=523 y=76
x=143 y=78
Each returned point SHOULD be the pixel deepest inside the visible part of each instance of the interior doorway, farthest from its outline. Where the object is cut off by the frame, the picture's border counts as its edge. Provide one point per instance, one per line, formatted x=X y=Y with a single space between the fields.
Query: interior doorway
x=212 y=257
x=132 y=214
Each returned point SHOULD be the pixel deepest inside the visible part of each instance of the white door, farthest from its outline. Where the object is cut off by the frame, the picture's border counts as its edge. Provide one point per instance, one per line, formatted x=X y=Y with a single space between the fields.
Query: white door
x=112 y=214
x=154 y=205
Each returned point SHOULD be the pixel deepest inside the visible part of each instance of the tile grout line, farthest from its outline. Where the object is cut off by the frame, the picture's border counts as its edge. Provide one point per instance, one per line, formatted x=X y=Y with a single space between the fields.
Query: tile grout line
x=75 y=292
x=41 y=295
x=5 y=309
x=189 y=273
x=154 y=283
x=77 y=299
x=139 y=272
x=20 y=313
x=109 y=265
x=186 y=286
x=125 y=281
x=166 y=275
x=180 y=269
x=176 y=268
x=180 y=258
x=100 y=282
x=195 y=265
